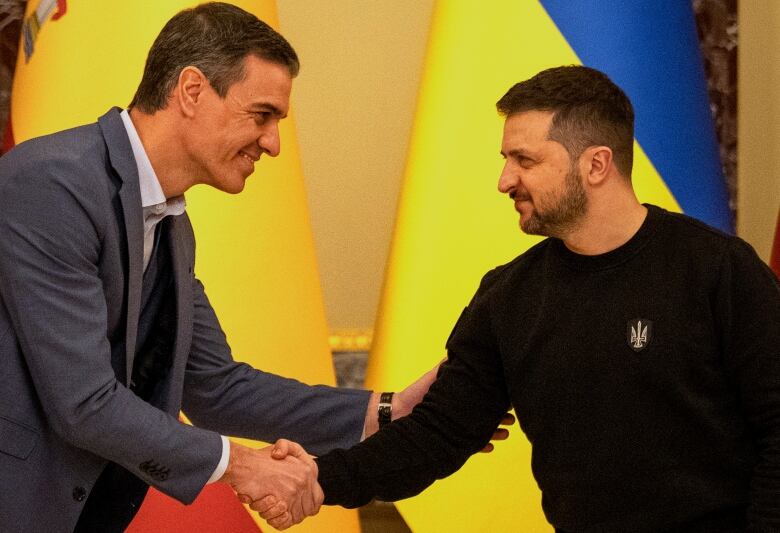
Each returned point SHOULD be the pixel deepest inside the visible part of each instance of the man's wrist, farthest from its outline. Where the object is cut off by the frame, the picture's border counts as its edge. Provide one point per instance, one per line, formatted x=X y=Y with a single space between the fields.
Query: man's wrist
x=222 y=465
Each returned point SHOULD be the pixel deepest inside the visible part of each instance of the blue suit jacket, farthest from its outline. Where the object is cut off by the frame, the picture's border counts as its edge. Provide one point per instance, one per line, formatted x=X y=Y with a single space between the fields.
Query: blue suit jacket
x=71 y=239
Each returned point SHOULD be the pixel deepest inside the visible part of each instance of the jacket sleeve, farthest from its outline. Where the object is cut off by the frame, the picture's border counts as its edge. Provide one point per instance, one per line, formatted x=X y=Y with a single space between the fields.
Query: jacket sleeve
x=52 y=223
x=455 y=420
x=238 y=400
x=748 y=304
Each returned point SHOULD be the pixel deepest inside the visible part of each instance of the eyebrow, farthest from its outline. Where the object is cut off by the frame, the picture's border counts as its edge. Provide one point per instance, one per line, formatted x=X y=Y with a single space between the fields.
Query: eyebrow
x=516 y=152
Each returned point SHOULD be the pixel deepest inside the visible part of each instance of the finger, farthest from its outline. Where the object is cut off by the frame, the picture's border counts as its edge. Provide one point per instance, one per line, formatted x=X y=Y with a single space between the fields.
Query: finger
x=308 y=503
x=312 y=498
x=281 y=522
x=297 y=452
x=296 y=495
x=268 y=507
x=278 y=510
x=500 y=434
x=296 y=510
x=319 y=497
x=508 y=419
x=487 y=449
x=243 y=498
x=281 y=449
x=269 y=512
x=295 y=449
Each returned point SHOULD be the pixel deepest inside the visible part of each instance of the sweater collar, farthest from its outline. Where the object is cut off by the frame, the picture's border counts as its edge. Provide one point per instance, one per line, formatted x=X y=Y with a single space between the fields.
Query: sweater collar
x=617 y=256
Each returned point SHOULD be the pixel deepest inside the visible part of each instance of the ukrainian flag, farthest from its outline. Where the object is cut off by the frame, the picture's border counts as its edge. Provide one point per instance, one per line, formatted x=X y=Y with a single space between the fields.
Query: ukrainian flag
x=453 y=226
x=255 y=251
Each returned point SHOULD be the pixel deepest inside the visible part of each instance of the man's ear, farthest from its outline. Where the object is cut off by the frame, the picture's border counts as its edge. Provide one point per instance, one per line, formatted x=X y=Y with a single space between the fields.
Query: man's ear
x=190 y=89
x=597 y=163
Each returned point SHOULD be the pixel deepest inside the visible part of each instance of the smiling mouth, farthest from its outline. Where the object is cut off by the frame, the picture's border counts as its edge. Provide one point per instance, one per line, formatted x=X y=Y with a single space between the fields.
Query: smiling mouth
x=248 y=157
x=519 y=200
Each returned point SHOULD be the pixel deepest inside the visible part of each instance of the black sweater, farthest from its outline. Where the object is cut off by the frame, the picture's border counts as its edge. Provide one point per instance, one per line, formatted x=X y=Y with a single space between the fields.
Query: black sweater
x=627 y=435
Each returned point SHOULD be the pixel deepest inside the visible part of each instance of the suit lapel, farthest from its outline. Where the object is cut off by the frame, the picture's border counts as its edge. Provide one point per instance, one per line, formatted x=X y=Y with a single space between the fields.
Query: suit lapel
x=182 y=263
x=120 y=154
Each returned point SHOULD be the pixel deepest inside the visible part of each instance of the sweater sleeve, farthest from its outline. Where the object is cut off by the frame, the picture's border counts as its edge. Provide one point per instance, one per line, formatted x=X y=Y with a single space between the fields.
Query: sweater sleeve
x=455 y=419
x=749 y=300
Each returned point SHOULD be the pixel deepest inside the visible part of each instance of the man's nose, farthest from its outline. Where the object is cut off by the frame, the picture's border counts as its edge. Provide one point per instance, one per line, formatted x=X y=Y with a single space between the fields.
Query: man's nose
x=508 y=179
x=269 y=140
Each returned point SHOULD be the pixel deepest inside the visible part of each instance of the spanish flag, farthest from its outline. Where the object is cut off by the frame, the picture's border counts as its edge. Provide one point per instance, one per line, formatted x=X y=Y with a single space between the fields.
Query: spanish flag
x=453 y=226
x=255 y=251
x=774 y=260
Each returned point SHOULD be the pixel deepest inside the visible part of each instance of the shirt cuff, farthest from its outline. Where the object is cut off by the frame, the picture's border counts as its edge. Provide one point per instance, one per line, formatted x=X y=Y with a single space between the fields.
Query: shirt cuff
x=223 y=461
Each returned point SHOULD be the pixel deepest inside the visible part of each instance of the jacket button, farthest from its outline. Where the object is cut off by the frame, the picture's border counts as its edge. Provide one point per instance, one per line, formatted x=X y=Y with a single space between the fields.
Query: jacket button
x=79 y=494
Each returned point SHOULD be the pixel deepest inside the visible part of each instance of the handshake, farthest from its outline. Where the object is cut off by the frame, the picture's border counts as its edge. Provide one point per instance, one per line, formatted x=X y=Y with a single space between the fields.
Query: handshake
x=279 y=482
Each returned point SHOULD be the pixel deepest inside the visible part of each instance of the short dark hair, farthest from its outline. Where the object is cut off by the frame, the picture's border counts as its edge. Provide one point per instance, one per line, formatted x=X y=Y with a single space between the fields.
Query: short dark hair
x=216 y=38
x=588 y=110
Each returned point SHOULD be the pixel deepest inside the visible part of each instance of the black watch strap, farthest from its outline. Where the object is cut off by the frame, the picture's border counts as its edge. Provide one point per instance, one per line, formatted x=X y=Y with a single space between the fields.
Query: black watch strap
x=385 y=409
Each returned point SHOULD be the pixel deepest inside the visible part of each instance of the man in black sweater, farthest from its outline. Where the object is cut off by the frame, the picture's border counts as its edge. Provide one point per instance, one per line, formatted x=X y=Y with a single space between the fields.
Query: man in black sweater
x=639 y=348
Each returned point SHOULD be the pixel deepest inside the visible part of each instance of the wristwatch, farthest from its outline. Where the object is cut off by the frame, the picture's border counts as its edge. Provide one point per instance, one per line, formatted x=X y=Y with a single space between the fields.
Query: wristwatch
x=385 y=409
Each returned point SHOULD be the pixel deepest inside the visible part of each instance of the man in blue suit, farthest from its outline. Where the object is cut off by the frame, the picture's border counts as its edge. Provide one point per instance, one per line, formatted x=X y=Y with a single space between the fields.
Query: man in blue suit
x=106 y=333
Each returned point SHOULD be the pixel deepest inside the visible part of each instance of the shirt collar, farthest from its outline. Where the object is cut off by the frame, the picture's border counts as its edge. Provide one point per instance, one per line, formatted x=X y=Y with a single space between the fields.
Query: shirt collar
x=151 y=191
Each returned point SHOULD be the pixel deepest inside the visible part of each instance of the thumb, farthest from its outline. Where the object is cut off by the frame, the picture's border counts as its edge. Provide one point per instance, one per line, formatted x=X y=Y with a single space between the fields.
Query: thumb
x=295 y=449
x=281 y=449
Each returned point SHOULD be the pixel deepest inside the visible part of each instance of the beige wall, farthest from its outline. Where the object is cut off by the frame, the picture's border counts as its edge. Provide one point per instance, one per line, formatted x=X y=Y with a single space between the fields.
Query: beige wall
x=758 y=196
x=354 y=102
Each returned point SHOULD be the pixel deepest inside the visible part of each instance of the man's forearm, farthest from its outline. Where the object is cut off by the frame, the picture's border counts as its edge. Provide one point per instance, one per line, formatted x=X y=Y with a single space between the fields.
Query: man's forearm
x=402 y=402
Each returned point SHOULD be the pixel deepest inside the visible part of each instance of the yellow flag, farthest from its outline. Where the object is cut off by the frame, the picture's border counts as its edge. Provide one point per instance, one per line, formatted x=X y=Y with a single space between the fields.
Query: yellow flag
x=255 y=250
x=453 y=226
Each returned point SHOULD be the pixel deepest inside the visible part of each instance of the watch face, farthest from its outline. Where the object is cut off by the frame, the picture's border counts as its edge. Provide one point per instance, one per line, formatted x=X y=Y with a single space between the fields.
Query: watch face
x=385 y=409
x=385 y=413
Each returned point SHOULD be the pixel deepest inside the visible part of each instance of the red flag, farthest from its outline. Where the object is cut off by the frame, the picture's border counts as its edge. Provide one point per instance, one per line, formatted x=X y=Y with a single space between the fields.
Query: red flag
x=214 y=511
x=8 y=138
x=774 y=261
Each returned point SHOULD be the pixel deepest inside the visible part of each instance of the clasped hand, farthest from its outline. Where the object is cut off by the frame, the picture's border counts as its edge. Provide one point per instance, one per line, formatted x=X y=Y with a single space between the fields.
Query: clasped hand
x=279 y=482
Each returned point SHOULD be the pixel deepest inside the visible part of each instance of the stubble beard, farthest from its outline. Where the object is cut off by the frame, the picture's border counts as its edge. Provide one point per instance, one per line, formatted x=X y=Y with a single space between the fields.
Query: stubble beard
x=563 y=213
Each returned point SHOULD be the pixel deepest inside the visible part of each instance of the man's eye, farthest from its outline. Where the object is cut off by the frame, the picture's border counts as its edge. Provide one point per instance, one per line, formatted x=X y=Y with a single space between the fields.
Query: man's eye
x=261 y=116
